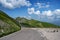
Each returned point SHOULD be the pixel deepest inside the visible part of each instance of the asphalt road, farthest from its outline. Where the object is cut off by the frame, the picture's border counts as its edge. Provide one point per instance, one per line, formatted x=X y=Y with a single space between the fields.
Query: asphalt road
x=25 y=34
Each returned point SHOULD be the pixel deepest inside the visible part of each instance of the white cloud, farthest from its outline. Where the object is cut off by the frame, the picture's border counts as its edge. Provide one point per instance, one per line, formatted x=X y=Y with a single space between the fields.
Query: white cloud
x=42 y=5
x=57 y=11
x=14 y=3
x=37 y=12
x=31 y=10
x=50 y=15
x=47 y=13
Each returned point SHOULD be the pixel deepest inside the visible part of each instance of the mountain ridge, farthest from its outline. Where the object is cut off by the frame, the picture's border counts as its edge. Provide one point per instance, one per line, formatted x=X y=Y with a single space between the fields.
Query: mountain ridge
x=35 y=23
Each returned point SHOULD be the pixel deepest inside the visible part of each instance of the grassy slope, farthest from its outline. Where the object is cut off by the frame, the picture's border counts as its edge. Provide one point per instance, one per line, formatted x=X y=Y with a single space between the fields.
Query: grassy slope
x=13 y=25
x=36 y=24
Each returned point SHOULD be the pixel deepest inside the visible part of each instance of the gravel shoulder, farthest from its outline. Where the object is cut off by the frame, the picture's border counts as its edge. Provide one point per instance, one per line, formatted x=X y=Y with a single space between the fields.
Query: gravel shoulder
x=49 y=33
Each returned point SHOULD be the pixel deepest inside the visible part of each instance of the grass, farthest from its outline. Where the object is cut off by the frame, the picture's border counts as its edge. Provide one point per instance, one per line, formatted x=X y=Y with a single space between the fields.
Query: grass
x=35 y=23
x=10 y=25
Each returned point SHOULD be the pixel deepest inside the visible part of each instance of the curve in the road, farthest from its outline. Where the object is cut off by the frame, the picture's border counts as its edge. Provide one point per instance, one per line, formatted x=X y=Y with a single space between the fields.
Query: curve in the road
x=26 y=34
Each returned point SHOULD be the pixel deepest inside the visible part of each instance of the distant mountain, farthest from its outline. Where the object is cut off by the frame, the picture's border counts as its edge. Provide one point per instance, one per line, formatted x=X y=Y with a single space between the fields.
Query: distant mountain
x=7 y=24
x=35 y=24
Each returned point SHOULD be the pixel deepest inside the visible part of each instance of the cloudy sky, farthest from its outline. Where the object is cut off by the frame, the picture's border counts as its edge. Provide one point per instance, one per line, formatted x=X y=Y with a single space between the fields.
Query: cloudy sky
x=42 y=10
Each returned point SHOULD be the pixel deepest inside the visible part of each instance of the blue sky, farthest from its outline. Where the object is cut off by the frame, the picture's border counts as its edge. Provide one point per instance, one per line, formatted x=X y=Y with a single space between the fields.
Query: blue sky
x=42 y=10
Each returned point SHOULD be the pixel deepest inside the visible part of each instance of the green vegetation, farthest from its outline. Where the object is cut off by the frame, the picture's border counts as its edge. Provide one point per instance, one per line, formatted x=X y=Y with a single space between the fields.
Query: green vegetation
x=35 y=24
x=7 y=24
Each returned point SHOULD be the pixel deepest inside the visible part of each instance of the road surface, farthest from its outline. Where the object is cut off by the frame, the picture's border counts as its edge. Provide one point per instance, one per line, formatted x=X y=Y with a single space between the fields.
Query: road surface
x=25 y=34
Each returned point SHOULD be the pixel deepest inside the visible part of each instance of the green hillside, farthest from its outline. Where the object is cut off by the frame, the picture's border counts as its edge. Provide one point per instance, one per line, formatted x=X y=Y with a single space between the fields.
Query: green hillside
x=7 y=24
x=35 y=24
